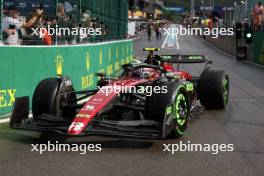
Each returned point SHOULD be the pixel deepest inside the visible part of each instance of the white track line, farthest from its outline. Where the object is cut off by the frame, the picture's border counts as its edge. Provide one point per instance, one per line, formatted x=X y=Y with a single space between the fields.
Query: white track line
x=165 y=41
x=177 y=42
x=174 y=36
x=4 y=120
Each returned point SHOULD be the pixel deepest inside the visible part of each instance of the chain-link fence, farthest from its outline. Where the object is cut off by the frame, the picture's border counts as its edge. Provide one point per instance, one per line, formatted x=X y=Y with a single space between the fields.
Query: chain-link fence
x=62 y=22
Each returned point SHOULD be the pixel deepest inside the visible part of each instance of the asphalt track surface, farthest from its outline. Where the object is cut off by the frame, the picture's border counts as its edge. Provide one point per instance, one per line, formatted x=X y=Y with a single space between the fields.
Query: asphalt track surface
x=241 y=124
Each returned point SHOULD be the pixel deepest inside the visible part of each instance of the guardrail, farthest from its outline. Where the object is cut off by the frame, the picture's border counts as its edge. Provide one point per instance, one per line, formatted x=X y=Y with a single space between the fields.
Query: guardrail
x=23 y=67
x=224 y=43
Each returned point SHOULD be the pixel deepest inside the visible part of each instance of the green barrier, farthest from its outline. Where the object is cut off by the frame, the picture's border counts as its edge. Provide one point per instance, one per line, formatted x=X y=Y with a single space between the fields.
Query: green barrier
x=258 y=40
x=21 y=68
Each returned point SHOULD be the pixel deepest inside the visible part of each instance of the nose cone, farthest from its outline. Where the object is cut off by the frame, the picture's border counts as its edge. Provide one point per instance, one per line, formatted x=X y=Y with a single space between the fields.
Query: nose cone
x=76 y=128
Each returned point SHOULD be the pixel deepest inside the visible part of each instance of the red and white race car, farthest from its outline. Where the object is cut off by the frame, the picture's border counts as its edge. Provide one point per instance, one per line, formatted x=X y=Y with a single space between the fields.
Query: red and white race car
x=144 y=101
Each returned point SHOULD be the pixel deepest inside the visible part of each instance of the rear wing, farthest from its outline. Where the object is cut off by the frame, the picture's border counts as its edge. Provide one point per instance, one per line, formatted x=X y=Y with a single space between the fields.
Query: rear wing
x=185 y=59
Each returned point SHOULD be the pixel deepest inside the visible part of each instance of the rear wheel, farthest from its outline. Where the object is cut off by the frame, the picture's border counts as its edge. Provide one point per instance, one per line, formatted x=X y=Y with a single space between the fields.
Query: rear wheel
x=213 y=89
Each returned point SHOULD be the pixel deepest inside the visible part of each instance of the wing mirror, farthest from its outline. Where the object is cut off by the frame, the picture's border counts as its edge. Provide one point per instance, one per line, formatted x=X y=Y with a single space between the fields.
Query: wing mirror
x=210 y=61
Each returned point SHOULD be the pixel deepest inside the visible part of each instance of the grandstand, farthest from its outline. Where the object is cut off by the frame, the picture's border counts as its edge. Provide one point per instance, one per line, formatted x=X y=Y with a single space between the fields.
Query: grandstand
x=109 y=15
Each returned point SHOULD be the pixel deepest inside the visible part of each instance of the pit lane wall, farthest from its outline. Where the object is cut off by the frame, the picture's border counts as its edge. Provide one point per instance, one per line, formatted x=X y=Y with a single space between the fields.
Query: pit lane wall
x=228 y=44
x=258 y=48
x=21 y=68
x=224 y=43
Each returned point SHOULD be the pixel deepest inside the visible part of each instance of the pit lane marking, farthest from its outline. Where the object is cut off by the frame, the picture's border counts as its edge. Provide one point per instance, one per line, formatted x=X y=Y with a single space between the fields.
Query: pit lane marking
x=171 y=40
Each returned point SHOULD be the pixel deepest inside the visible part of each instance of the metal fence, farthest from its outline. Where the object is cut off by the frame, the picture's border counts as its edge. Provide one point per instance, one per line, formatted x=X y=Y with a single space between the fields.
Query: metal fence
x=62 y=22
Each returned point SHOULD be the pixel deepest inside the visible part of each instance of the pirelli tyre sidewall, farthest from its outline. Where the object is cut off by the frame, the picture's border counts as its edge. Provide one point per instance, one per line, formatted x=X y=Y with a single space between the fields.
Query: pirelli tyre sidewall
x=213 y=89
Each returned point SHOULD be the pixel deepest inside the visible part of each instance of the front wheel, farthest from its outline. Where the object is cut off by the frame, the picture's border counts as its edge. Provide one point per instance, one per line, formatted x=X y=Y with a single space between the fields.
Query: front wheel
x=46 y=99
x=172 y=107
x=181 y=112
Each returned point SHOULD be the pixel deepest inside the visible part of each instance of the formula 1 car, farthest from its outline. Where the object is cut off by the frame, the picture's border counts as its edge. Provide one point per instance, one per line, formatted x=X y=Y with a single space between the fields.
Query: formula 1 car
x=157 y=105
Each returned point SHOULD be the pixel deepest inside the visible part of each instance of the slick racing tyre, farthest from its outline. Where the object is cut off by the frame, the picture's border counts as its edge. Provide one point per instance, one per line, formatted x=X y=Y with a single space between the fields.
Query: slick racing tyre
x=45 y=99
x=177 y=98
x=213 y=89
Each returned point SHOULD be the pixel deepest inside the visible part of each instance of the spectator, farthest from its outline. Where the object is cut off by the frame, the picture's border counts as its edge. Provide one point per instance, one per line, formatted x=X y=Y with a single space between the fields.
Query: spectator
x=149 y=32
x=257 y=16
x=47 y=38
x=62 y=23
x=11 y=27
x=65 y=21
x=160 y=32
x=33 y=21
x=156 y=28
x=61 y=10
x=86 y=22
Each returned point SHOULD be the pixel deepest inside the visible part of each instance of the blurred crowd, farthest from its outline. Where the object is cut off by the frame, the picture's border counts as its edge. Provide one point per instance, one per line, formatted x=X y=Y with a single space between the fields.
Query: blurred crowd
x=157 y=27
x=19 y=30
x=214 y=20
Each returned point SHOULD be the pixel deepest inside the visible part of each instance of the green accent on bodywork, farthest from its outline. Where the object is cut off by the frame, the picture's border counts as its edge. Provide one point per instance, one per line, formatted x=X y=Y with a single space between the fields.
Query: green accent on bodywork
x=177 y=77
x=167 y=57
x=189 y=87
x=225 y=90
x=173 y=75
x=169 y=110
x=195 y=57
x=151 y=49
